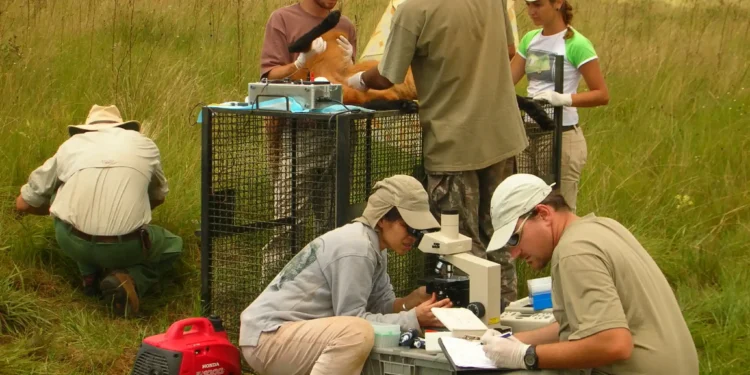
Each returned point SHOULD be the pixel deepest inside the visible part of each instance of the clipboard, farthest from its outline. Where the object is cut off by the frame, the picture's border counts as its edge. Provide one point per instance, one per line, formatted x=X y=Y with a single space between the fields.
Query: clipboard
x=469 y=370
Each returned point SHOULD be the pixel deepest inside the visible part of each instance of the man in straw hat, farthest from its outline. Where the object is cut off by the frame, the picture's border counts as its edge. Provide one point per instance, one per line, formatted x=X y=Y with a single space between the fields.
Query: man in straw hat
x=315 y=317
x=615 y=310
x=102 y=184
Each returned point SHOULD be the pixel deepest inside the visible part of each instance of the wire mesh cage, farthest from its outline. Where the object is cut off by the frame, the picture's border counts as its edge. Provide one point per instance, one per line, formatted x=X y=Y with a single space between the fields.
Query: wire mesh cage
x=273 y=181
x=543 y=155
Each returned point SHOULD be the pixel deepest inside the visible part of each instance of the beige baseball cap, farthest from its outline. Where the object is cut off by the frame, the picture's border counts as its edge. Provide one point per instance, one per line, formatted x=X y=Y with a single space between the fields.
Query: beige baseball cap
x=514 y=197
x=407 y=195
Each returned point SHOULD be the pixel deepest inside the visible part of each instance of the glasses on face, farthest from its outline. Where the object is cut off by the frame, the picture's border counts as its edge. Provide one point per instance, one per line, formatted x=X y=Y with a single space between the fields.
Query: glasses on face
x=515 y=239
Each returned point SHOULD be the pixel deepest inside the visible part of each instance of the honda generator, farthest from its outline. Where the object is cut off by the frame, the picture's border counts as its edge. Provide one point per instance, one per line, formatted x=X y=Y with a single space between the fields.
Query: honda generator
x=203 y=350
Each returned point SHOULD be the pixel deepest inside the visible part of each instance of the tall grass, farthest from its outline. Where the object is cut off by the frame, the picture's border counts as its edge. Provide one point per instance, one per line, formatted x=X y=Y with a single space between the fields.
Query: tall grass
x=676 y=126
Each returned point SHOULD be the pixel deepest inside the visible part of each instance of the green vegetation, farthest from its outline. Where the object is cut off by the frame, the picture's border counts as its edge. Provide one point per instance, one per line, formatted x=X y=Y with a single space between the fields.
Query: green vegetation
x=669 y=156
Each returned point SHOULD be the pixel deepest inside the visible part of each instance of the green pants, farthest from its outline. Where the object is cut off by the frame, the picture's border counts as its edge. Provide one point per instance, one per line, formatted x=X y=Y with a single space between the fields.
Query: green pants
x=145 y=269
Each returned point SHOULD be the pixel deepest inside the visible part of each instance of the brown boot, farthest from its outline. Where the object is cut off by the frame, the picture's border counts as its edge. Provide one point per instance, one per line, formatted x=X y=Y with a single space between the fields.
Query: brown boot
x=118 y=289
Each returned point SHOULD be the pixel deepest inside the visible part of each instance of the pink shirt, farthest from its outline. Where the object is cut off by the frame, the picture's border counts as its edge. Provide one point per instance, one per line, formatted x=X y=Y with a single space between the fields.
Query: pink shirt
x=286 y=25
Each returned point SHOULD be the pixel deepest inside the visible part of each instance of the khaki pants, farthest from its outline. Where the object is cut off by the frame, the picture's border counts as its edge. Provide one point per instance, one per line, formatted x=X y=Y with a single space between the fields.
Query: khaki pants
x=470 y=192
x=574 y=156
x=335 y=345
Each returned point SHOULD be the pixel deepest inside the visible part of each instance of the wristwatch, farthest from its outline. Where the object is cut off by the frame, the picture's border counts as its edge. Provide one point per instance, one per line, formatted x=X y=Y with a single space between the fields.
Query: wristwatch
x=530 y=359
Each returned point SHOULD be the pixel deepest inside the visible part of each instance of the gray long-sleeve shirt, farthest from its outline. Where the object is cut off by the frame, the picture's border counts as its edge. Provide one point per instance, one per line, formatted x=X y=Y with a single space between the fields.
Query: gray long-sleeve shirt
x=341 y=273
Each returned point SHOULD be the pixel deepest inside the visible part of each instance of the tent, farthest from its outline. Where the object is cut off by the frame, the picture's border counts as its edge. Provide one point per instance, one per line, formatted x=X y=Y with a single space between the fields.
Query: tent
x=374 y=48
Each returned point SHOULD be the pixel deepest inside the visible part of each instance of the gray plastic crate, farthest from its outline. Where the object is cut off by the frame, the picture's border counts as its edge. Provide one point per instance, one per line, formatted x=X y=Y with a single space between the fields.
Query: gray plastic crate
x=401 y=361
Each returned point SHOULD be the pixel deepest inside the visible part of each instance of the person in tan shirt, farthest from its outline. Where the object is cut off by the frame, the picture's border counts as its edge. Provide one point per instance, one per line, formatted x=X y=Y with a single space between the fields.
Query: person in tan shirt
x=472 y=129
x=102 y=184
x=615 y=311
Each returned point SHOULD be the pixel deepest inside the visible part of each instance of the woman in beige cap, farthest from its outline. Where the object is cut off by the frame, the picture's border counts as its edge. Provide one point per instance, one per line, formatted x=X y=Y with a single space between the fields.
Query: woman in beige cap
x=314 y=317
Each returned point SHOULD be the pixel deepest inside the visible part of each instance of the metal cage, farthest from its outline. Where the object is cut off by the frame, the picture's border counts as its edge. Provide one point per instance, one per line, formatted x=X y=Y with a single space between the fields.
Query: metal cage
x=544 y=154
x=272 y=181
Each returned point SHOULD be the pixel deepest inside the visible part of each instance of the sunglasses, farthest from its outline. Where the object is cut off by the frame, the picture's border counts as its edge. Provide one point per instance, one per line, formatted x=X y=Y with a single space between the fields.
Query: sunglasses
x=515 y=239
x=417 y=233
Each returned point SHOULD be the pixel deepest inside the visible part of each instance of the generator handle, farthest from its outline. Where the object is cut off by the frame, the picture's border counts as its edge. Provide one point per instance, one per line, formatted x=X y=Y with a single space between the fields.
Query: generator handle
x=177 y=329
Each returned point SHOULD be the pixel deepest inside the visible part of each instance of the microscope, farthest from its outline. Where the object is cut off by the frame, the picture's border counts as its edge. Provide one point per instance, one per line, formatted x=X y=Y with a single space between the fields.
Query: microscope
x=483 y=281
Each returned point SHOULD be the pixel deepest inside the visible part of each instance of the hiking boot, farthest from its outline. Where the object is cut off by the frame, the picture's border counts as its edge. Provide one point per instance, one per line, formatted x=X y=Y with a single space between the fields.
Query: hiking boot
x=90 y=288
x=118 y=289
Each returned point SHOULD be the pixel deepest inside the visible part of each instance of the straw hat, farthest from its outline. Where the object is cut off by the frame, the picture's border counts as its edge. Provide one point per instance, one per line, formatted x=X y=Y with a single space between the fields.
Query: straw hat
x=103 y=117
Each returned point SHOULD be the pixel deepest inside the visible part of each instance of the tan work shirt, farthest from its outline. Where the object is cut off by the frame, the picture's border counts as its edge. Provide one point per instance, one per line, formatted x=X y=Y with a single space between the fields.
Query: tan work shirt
x=285 y=26
x=458 y=53
x=602 y=278
x=104 y=180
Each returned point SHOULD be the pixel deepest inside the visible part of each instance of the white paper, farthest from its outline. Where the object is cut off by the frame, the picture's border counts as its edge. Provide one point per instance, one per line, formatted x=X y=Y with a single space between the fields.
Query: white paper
x=465 y=353
x=458 y=318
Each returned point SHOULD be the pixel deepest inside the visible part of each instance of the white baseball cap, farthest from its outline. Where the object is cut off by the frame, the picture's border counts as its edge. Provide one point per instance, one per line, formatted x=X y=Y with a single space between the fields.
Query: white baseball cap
x=514 y=197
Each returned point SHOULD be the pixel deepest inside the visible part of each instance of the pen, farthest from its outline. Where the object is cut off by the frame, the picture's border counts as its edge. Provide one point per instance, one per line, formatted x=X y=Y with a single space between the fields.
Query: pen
x=505 y=335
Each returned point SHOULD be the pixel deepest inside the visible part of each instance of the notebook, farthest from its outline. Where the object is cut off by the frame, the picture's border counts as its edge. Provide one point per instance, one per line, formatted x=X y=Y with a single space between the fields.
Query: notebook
x=466 y=355
x=461 y=321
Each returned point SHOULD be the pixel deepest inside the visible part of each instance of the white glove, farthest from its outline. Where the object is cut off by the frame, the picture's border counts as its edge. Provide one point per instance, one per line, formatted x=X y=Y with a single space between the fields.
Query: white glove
x=555 y=98
x=504 y=352
x=356 y=82
x=318 y=45
x=345 y=46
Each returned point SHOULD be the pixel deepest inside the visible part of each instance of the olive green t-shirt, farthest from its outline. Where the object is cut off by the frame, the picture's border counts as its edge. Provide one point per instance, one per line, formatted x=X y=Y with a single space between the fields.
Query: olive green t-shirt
x=458 y=53
x=602 y=278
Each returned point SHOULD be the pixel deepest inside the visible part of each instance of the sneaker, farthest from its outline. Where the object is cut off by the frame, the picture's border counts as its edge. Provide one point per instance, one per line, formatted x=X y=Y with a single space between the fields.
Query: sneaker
x=118 y=289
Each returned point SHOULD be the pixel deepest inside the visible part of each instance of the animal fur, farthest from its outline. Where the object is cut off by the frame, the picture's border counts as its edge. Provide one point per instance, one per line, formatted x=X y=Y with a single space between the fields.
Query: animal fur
x=334 y=66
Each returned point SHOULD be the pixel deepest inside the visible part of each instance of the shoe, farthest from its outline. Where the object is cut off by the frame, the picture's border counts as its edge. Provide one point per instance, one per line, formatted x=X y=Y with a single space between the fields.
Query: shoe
x=118 y=290
x=90 y=288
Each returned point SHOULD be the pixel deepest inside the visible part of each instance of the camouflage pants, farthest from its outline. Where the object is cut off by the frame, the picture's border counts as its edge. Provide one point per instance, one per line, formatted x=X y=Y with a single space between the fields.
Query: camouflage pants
x=470 y=192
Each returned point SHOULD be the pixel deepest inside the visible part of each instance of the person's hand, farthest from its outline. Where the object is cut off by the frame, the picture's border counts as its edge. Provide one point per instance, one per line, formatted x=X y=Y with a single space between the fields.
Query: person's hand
x=555 y=98
x=356 y=82
x=424 y=311
x=318 y=46
x=418 y=296
x=504 y=352
x=489 y=334
x=345 y=46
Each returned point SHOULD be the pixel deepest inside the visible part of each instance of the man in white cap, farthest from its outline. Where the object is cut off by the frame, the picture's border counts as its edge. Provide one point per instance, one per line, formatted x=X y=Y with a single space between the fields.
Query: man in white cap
x=315 y=317
x=102 y=184
x=615 y=310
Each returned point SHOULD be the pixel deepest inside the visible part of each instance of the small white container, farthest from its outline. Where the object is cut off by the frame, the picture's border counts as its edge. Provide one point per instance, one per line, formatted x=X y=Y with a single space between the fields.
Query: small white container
x=386 y=335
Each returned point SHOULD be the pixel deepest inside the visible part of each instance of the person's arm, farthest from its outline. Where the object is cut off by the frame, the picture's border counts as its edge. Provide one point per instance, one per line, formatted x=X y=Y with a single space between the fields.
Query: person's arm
x=399 y=50
x=414 y=299
x=518 y=63
x=158 y=188
x=600 y=333
x=351 y=279
x=582 y=55
x=517 y=68
x=35 y=195
x=275 y=59
x=544 y=335
x=598 y=94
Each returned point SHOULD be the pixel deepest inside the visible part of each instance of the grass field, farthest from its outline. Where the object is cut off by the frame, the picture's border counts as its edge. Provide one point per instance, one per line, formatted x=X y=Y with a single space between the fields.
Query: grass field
x=669 y=156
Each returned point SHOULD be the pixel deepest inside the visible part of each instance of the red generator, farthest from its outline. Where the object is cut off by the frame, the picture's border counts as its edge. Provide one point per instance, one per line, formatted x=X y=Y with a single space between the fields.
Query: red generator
x=203 y=350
